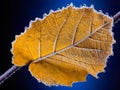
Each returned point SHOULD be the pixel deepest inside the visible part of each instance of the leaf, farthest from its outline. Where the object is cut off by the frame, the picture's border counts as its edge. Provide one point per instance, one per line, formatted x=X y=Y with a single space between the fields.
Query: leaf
x=65 y=46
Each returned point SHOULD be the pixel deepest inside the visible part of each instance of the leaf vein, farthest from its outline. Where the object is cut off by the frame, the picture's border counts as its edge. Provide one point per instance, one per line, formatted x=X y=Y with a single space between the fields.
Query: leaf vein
x=57 y=36
x=76 y=28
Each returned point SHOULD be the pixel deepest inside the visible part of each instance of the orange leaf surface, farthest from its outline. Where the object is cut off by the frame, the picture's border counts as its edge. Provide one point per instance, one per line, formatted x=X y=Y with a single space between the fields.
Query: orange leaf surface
x=65 y=46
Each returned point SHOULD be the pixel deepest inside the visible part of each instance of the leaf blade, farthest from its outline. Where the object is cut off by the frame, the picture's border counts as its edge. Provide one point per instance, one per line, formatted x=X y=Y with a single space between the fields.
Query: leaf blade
x=70 y=43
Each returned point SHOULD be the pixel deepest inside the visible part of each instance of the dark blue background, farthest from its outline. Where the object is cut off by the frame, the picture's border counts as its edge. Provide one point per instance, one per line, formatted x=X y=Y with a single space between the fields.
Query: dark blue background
x=15 y=15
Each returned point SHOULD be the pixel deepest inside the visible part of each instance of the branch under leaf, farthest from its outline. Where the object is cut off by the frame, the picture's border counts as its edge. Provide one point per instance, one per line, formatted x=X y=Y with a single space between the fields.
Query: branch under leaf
x=8 y=73
x=14 y=68
x=116 y=17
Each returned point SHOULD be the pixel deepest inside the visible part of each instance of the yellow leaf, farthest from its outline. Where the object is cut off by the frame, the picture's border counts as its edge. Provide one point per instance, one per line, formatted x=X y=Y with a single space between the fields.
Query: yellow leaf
x=65 y=46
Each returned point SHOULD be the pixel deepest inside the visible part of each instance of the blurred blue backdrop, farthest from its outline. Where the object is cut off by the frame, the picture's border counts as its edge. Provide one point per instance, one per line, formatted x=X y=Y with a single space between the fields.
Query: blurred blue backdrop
x=16 y=14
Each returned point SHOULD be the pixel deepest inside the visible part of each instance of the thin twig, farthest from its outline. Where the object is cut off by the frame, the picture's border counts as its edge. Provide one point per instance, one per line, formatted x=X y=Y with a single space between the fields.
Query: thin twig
x=116 y=17
x=8 y=73
x=14 y=68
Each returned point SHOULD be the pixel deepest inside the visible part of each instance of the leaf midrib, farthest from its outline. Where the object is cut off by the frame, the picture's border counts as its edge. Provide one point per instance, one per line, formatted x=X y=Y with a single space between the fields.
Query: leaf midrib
x=71 y=46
